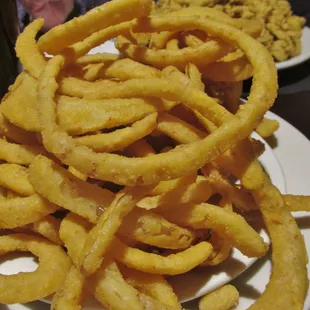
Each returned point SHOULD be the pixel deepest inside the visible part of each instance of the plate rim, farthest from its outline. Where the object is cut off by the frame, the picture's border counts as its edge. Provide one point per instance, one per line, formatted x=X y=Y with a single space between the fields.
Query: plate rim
x=206 y=289
x=297 y=60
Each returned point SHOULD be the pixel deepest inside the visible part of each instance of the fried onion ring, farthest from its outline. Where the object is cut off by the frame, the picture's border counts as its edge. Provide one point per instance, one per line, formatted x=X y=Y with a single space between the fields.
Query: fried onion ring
x=96 y=19
x=242 y=122
x=23 y=287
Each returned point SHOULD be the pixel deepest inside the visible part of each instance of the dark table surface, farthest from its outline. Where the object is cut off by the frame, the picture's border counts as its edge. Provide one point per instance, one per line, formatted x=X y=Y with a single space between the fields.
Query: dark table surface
x=293 y=102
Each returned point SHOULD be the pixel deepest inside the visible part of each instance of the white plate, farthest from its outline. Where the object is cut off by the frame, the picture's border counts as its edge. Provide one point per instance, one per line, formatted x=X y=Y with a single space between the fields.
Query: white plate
x=305 y=52
x=201 y=281
x=205 y=280
x=107 y=47
x=292 y=150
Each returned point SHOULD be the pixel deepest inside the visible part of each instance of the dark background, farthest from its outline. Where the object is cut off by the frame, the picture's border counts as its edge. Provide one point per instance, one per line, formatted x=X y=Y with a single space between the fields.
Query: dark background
x=293 y=103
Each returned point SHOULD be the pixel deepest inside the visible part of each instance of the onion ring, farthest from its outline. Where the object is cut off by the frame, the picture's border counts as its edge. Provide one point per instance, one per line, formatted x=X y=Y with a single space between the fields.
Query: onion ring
x=206 y=53
x=23 y=287
x=26 y=42
x=15 y=178
x=18 y=211
x=14 y=133
x=119 y=139
x=19 y=154
x=244 y=119
x=227 y=224
x=96 y=19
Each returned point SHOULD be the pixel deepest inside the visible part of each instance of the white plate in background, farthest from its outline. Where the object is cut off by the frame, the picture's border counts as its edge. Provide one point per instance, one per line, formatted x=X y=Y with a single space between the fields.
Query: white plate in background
x=292 y=149
x=305 y=52
x=108 y=47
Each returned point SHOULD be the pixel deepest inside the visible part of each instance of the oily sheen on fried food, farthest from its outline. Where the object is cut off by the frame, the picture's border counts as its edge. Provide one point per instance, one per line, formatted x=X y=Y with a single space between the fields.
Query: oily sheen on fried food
x=119 y=171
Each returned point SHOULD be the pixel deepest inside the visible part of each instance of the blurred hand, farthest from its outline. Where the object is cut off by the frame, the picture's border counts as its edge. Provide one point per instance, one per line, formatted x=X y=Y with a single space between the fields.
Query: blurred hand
x=54 y=12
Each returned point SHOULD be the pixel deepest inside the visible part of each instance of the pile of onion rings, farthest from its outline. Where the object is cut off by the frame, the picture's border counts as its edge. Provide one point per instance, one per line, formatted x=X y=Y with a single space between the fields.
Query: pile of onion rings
x=123 y=167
